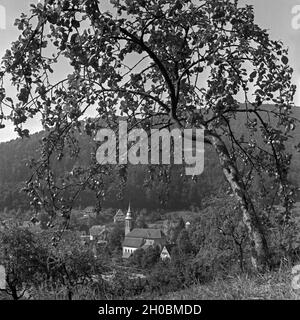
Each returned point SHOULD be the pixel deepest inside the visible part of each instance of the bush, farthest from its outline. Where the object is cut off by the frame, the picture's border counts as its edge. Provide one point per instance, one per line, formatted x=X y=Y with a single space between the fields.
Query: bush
x=164 y=278
x=219 y=238
x=136 y=258
x=145 y=259
x=123 y=286
x=24 y=260
x=283 y=237
x=115 y=238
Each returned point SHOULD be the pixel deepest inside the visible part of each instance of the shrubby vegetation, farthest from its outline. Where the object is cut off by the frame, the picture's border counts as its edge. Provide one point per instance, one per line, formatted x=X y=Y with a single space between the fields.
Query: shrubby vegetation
x=24 y=260
x=215 y=246
x=32 y=260
x=145 y=259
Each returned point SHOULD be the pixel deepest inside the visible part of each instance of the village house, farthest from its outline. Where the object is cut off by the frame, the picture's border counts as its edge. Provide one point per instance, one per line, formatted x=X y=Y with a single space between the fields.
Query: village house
x=89 y=212
x=119 y=217
x=98 y=233
x=98 y=238
x=166 y=252
x=140 y=238
x=84 y=234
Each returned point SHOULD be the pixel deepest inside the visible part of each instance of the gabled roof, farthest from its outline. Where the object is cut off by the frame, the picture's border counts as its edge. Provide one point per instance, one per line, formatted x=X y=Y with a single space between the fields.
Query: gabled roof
x=169 y=247
x=119 y=216
x=146 y=246
x=89 y=209
x=97 y=230
x=146 y=234
x=133 y=242
x=166 y=251
x=119 y=213
x=89 y=212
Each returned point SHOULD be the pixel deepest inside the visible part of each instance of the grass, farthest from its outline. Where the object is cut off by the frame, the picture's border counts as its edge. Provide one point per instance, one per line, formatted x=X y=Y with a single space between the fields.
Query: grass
x=271 y=286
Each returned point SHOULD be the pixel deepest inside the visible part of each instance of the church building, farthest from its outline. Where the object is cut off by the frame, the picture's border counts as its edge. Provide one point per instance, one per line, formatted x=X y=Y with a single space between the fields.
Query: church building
x=140 y=238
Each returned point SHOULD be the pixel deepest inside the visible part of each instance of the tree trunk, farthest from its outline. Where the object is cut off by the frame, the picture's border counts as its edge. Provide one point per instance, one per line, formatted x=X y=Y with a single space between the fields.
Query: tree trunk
x=259 y=254
x=14 y=293
x=241 y=254
x=70 y=294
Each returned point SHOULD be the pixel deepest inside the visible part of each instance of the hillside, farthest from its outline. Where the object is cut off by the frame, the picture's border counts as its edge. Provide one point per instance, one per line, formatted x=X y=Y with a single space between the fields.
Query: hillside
x=13 y=172
x=238 y=127
x=15 y=154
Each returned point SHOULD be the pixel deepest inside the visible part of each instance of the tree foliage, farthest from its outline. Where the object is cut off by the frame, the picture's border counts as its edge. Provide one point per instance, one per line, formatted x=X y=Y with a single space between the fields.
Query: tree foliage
x=24 y=260
x=184 y=243
x=70 y=263
x=116 y=237
x=173 y=229
x=187 y=63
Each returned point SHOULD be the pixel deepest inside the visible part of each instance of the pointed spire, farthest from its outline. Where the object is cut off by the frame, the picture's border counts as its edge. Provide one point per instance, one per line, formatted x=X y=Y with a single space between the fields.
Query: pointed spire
x=128 y=215
x=128 y=221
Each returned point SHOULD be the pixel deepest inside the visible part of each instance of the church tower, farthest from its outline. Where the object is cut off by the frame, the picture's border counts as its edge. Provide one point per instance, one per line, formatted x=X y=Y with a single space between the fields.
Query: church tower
x=128 y=221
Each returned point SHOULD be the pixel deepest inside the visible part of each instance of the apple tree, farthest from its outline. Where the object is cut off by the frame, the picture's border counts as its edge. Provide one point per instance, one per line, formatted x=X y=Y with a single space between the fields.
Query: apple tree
x=190 y=64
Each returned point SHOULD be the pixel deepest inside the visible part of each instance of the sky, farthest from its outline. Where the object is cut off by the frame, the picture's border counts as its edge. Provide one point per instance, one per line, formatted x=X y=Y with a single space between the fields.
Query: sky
x=280 y=17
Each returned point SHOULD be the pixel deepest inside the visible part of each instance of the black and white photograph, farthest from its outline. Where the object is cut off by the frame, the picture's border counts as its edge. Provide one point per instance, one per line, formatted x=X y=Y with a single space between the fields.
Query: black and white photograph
x=149 y=151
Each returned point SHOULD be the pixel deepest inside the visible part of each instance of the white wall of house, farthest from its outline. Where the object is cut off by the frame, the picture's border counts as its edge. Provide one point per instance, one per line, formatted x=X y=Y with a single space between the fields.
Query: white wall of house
x=149 y=242
x=165 y=254
x=129 y=250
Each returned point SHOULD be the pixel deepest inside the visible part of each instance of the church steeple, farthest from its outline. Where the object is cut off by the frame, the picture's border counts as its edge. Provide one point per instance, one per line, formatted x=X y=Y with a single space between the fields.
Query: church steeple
x=128 y=221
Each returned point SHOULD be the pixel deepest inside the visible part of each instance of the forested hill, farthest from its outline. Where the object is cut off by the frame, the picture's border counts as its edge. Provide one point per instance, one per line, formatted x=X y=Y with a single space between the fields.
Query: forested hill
x=13 y=171
x=14 y=156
